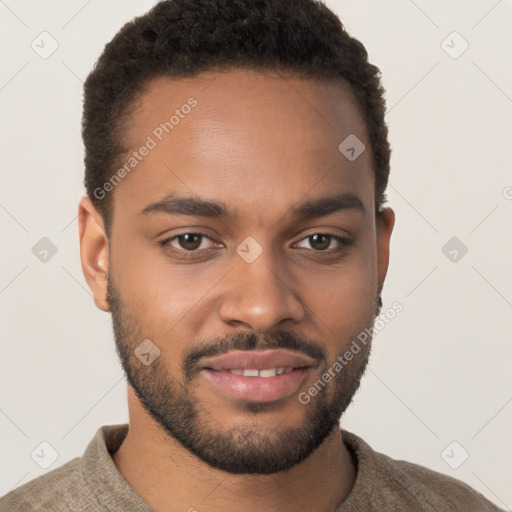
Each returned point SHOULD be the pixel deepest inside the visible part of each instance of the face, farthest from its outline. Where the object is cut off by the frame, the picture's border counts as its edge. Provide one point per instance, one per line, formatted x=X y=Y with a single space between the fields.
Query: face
x=291 y=256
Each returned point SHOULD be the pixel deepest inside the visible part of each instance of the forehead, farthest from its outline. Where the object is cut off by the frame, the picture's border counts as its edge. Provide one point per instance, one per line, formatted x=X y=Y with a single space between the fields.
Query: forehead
x=247 y=138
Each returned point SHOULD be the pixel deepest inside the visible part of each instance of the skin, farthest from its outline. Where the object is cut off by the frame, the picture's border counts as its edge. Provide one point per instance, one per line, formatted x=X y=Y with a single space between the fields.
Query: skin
x=262 y=144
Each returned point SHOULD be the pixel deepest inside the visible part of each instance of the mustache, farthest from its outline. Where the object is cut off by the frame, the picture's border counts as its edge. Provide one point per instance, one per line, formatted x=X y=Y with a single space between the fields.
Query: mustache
x=250 y=341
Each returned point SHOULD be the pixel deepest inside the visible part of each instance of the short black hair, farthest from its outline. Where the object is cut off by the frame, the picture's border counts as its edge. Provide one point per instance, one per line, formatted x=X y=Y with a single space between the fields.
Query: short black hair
x=181 y=38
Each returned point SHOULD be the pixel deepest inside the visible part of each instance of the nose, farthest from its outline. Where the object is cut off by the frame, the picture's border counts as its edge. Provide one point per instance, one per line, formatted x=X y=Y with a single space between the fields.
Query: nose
x=259 y=295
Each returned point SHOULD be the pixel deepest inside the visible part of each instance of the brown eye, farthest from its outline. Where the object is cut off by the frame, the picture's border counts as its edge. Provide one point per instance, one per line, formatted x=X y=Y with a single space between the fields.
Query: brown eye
x=320 y=242
x=187 y=245
x=189 y=241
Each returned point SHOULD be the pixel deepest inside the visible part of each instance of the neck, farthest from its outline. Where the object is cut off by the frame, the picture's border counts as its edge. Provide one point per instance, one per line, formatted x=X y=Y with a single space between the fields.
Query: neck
x=168 y=477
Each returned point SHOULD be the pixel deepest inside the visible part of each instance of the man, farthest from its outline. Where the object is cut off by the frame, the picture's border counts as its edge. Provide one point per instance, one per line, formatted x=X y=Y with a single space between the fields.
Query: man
x=236 y=166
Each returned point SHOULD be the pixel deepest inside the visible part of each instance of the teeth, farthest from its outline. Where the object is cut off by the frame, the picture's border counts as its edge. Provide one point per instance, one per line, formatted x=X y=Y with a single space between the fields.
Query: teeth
x=268 y=372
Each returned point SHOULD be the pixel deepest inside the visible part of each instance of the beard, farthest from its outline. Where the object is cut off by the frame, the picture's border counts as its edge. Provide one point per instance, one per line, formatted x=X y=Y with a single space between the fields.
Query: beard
x=241 y=449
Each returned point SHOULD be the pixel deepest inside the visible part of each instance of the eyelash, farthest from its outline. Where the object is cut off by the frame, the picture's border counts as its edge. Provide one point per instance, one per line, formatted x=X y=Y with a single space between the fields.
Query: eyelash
x=183 y=253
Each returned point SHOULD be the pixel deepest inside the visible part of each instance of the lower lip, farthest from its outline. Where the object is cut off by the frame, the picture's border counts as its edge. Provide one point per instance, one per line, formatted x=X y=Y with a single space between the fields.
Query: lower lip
x=257 y=389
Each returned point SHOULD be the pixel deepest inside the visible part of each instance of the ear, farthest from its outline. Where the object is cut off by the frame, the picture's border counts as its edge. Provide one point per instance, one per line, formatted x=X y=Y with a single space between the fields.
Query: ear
x=93 y=251
x=385 y=221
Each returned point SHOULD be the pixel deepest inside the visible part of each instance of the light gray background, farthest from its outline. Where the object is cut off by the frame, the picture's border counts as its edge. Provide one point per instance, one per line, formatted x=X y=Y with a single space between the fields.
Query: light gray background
x=439 y=372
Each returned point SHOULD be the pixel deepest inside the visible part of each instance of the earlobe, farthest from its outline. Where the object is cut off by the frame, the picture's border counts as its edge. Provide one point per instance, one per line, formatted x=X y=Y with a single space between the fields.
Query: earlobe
x=385 y=221
x=94 y=249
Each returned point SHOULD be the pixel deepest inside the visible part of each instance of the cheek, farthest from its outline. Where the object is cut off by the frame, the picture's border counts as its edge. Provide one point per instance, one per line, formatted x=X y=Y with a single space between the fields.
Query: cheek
x=166 y=298
x=346 y=290
x=146 y=288
x=344 y=301
x=349 y=298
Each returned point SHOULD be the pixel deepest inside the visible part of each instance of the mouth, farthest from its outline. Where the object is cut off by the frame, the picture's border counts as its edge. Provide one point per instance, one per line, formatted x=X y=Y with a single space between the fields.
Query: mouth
x=258 y=376
x=250 y=360
x=254 y=372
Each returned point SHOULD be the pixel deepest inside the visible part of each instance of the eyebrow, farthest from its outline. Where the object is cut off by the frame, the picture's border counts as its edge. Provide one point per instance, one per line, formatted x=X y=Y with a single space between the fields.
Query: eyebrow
x=193 y=206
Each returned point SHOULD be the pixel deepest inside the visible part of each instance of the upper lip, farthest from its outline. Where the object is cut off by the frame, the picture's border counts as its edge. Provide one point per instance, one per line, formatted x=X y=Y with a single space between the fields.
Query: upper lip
x=258 y=360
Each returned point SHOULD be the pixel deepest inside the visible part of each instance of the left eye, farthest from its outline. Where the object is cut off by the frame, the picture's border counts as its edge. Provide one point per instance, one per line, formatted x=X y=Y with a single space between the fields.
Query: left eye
x=323 y=240
x=188 y=241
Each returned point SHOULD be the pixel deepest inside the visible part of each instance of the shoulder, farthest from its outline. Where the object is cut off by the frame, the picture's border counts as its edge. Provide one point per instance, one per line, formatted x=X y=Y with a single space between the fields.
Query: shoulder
x=402 y=485
x=433 y=490
x=52 y=491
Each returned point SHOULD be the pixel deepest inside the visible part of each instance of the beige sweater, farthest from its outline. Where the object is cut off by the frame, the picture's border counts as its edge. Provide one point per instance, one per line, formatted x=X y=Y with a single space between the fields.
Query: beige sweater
x=92 y=483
